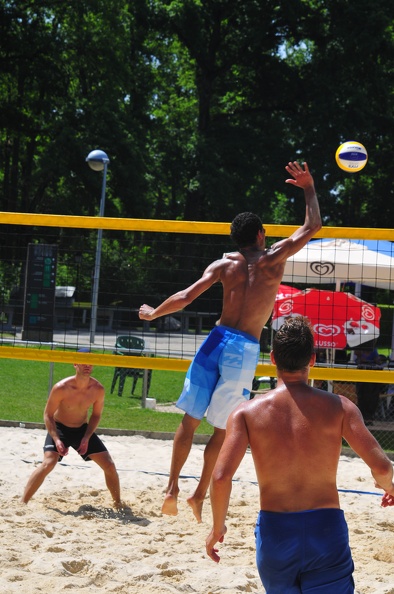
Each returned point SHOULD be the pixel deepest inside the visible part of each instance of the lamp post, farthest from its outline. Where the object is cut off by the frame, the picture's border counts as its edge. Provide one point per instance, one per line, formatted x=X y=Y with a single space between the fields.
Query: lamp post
x=98 y=161
x=78 y=261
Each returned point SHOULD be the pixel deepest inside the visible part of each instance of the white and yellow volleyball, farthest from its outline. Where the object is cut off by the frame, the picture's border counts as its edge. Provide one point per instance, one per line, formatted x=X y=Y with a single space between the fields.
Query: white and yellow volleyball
x=351 y=156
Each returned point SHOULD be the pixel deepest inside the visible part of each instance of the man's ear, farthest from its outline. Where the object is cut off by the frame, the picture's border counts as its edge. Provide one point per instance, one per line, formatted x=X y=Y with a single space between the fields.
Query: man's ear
x=313 y=360
x=272 y=358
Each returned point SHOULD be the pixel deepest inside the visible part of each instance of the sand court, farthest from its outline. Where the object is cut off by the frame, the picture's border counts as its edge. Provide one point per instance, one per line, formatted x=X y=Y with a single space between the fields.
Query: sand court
x=70 y=539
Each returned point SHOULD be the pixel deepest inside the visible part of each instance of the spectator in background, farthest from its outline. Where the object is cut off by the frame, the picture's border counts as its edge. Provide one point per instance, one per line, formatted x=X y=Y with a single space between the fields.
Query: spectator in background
x=367 y=356
x=368 y=393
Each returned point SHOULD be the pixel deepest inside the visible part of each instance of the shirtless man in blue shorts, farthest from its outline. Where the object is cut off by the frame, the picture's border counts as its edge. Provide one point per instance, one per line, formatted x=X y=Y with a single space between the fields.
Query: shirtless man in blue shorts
x=66 y=419
x=295 y=435
x=222 y=371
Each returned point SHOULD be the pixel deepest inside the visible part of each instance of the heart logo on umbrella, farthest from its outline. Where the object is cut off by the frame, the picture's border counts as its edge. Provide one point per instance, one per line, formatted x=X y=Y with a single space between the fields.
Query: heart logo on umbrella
x=368 y=313
x=325 y=331
x=339 y=319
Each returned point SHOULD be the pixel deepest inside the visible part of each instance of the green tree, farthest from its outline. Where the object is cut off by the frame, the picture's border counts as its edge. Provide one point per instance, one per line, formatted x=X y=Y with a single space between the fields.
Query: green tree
x=199 y=105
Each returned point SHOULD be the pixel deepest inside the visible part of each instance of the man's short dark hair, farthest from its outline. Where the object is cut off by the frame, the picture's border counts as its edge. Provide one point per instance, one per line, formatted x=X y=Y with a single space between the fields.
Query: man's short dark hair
x=293 y=344
x=244 y=229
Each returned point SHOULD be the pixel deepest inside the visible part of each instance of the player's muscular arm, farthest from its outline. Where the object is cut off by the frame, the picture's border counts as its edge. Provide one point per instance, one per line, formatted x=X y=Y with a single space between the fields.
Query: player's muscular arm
x=230 y=457
x=366 y=446
x=52 y=406
x=53 y=403
x=186 y=296
x=97 y=410
x=301 y=178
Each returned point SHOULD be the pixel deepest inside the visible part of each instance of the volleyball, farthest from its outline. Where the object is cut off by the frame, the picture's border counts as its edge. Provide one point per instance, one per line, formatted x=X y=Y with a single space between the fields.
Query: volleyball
x=351 y=156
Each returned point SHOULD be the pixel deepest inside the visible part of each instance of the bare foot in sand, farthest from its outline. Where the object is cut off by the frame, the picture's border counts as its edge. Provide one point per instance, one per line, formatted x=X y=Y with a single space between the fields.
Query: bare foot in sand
x=170 y=507
x=121 y=506
x=196 y=507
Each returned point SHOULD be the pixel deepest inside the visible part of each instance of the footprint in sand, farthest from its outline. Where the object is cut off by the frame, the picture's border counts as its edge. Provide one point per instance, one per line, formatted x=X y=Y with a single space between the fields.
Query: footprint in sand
x=76 y=566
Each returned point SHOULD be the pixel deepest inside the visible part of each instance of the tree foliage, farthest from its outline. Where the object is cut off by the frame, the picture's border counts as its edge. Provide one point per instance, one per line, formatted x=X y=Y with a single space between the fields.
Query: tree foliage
x=199 y=105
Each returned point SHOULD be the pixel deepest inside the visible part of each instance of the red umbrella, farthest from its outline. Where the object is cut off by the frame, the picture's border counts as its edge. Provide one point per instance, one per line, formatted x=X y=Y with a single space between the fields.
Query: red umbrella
x=338 y=319
x=285 y=291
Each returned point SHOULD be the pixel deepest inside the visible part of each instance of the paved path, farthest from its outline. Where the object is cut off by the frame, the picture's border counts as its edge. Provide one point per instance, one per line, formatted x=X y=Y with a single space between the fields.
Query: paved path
x=160 y=344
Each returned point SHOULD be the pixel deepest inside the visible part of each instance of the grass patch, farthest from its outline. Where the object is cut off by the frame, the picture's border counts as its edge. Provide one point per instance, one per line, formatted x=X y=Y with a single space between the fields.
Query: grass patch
x=25 y=387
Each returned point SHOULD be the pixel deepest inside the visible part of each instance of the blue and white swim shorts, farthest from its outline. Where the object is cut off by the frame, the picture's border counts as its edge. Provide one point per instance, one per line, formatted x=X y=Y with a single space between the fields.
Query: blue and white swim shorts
x=220 y=376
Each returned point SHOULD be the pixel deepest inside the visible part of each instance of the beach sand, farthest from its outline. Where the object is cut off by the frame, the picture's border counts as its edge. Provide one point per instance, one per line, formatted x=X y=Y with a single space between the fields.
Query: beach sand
x=70 y=539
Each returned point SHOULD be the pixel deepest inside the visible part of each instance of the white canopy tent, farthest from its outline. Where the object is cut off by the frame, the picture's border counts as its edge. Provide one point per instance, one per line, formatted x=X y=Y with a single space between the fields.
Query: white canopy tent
x=339 y=260
x=334 y=261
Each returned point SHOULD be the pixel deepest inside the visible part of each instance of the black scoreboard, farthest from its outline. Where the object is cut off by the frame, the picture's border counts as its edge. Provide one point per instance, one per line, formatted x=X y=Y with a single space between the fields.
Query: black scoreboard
x=39 y=298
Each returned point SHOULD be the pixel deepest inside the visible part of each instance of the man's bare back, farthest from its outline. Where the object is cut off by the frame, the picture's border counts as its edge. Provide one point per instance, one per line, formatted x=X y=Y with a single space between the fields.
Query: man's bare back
x=285 y=426
x=250 y=280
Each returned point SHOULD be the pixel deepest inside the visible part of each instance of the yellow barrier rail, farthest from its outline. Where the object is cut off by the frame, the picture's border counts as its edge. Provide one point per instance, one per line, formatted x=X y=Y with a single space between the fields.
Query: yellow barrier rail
x=59 y=356
x=162 y=226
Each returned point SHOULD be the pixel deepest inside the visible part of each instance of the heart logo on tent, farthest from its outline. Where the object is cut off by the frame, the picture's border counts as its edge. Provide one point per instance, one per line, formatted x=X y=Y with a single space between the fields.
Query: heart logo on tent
x=322 y=268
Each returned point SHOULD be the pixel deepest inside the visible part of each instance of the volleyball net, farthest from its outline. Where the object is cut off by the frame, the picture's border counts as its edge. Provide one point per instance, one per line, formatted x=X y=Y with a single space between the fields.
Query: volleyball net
x=50 y=268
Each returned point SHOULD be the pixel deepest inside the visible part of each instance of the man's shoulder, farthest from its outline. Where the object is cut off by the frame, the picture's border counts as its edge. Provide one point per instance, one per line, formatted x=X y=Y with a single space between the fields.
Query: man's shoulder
x=96 y=384
x=249 y=407
x=230 y=256
x=64 y=383
x=236 y=259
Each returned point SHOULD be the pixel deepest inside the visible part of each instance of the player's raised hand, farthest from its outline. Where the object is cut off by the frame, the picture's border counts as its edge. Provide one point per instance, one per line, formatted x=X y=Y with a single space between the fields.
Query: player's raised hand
x=301 y=175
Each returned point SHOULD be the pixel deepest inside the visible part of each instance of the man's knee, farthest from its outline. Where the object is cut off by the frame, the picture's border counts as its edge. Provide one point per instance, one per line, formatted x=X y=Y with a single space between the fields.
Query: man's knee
x=49 y=462
x=190 y=423
x=219 y=434
x=111 y=468
x=104 y=460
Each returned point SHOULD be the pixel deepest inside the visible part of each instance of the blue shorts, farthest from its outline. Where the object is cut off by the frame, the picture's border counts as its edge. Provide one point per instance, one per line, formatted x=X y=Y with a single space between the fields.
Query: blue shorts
x=220 y=376
x=305 y=552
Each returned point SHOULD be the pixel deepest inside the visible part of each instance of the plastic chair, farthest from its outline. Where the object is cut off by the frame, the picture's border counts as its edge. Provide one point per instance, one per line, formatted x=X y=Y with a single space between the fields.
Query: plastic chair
x=257 y=381
x=128 y=342
x=128 y=345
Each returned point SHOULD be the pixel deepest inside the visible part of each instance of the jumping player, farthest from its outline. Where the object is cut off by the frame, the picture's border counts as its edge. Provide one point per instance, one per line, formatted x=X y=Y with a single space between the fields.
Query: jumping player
x=222 y=371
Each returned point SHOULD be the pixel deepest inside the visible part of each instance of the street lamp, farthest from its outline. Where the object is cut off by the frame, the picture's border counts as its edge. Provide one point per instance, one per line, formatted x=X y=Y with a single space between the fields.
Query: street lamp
x=98 y=161
x=78 y=261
